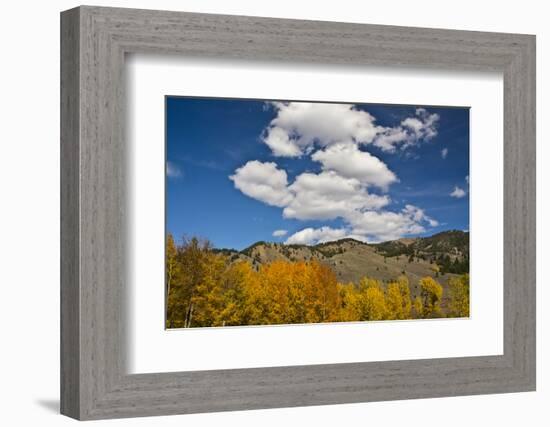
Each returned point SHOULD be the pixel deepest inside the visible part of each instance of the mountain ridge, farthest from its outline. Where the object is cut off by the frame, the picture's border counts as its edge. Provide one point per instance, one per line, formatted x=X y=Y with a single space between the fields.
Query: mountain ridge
x=442 y=255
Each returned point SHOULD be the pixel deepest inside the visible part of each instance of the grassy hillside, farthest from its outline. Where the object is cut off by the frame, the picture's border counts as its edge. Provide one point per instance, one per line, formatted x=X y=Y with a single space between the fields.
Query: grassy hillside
x=442 y=256
x=449 y=250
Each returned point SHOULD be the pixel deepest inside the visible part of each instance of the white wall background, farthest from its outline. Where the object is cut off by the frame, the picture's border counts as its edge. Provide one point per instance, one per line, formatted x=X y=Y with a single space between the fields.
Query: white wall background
x=29 y=212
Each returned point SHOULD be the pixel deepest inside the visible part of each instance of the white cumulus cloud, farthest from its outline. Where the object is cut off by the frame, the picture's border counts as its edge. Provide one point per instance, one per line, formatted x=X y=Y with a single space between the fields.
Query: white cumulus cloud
x=351 y=183
x=348 y=161
x=458 y=192
x=328 y=195
x=263 y=182
x=312 y=236
x=281 y=144
x=298 y=126
x=411 y=130
x=444 y=153
x=369 y=226
x=384 y=225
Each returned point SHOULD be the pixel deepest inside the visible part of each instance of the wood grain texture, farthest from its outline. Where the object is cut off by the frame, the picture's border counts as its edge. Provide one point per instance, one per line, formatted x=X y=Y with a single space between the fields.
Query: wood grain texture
x=70 y=220
x=94 y=381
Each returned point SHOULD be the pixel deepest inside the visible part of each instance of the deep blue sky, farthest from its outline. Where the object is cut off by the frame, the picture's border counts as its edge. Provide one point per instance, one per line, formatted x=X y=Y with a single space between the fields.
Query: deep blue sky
x=208 y=139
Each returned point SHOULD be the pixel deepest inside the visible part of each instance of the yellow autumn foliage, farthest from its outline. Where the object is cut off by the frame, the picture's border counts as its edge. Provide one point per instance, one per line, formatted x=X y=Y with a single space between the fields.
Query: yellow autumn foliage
x=432 y=293
x=204 y=288
x=459 y=289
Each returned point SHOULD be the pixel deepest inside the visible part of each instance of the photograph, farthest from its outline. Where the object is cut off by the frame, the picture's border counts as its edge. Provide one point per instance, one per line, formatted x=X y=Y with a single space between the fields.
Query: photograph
x=261 y=214
x=295 y=212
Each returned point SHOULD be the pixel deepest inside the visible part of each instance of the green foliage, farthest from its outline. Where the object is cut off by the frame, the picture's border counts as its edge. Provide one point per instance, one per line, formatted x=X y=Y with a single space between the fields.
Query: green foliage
x=456 y=266
x=248 y=251
x=329 y=249
x=438 y=248
x=394 y=249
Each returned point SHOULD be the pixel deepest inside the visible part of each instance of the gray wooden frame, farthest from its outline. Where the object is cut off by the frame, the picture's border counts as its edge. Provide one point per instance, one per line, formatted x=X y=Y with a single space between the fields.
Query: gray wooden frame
x=94 y=382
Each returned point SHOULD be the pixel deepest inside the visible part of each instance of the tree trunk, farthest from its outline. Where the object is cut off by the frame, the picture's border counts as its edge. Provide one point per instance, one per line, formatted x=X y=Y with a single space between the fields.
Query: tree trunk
x=188 y=316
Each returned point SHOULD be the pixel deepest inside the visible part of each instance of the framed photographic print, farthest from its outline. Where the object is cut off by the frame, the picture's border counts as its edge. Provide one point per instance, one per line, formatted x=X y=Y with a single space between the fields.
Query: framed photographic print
x=334 y=234
x=261 y=213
